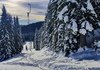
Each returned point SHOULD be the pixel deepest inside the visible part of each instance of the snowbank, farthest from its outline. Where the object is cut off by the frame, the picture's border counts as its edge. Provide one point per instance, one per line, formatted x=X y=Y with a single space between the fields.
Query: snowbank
x=87 y=54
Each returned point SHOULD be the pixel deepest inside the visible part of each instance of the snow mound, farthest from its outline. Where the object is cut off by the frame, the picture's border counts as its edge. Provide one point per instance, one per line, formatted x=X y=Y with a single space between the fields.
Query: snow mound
x=87 y=54
x=80 y=49
x=83 y=31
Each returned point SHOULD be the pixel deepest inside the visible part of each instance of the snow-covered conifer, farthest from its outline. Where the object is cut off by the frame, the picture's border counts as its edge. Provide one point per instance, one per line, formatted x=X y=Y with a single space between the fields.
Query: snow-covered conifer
x=17 y=36
x=6 y=36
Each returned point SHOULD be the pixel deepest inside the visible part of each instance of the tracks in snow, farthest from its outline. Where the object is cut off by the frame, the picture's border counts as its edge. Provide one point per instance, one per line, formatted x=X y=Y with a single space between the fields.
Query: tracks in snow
x=51 y=63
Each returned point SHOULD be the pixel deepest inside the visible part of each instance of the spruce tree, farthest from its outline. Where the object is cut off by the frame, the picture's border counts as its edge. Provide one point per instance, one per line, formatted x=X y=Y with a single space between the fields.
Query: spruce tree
x=70 y=21
x=82 y=19
x=17 y=36
x=6 y=36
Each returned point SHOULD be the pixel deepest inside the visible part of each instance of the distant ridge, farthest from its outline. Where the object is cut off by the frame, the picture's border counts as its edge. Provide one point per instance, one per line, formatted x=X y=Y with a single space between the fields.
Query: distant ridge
x=31 y=27
x=29 y=30
x=22 y=25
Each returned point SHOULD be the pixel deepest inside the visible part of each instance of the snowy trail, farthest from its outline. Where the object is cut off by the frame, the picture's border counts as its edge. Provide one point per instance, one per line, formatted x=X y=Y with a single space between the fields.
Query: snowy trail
x=46 y=60
x=19 y=63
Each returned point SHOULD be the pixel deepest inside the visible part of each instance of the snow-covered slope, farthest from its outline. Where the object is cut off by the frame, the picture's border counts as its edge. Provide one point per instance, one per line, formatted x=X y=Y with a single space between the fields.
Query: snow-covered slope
x=47 y=60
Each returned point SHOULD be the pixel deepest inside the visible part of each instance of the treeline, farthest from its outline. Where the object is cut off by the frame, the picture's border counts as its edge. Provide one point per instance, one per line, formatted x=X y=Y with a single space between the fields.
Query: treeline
x=29 y=30
x=10 y=36
x=67 y=25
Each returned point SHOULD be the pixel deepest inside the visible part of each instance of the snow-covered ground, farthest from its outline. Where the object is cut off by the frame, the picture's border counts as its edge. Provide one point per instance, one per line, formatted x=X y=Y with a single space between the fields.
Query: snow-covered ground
x=47 y=60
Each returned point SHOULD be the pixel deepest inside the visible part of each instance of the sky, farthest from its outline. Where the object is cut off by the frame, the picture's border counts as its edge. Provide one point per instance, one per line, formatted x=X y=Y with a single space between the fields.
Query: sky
x=21 y=7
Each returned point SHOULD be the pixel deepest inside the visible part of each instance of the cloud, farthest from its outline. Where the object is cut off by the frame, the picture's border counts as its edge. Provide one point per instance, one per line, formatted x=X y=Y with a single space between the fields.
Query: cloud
x=39 y=13
x=36 y=5
x=21 y=7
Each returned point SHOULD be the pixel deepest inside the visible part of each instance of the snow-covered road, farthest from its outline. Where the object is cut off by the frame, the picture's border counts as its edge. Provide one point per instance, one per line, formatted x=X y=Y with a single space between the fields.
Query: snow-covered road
x=46 y=60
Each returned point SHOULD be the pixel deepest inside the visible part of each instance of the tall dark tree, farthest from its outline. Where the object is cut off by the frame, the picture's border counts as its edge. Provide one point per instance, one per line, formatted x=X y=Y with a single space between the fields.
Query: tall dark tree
x=69 y=21
x=10 y=36
x=81 y=20
x=6 y=36
x=96 y=5
x=17 y=36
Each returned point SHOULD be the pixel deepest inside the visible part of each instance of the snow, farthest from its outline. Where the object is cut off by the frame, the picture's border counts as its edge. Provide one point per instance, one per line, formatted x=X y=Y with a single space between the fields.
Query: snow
x=83 y=24
x=98 y=43
x=60 y=28
x=53 y=0
x=74 y=26
x=70 y=41
x=65 y=19
x=81 y=49
x=83 y=31
x=66 y=38
x=75 y=40
x=46 y=59
x=97 y=32
x=87 y=55
x=83 y=8
x=95 y=43
x=88 y=26
x=90 y=37
x=90 y=7
x=99 y=23
x=69 y=25
x=74 y=1
x=60 y=16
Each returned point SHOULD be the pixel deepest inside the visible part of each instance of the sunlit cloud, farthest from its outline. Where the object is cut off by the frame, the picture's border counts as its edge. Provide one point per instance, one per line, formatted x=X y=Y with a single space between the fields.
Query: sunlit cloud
x=21 y=7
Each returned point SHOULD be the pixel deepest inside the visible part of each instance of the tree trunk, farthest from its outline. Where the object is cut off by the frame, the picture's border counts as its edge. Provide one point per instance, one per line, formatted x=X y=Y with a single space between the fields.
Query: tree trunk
x=82 y=40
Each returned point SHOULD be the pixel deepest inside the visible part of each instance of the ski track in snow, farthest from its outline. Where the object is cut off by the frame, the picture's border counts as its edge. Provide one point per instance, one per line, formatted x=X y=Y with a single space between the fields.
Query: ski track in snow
x=42 y=60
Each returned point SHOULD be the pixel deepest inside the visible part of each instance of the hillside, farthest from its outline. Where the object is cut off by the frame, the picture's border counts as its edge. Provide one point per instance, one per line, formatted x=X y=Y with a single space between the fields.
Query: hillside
x=31 y=27
x=29 y=30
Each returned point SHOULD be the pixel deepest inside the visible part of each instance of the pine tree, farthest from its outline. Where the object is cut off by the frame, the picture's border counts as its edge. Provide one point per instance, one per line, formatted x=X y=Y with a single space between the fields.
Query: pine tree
x=17 y=36
x=96 y=6
x=81 y=20
x=68 y=22
x=6 y=36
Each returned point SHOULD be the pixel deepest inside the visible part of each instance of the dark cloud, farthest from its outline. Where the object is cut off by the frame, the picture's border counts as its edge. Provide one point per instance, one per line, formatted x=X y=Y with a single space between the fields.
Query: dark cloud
x=39 y=13
x=40 y=6
x=36 y=5
x=3 y=0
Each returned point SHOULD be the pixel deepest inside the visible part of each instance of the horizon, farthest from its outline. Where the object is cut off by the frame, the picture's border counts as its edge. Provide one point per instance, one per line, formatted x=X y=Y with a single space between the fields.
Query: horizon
x=32 y=23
